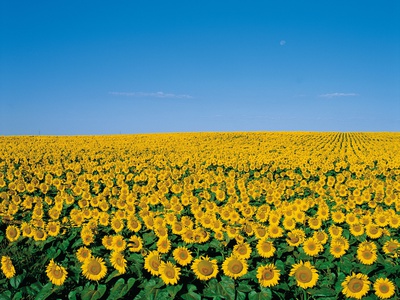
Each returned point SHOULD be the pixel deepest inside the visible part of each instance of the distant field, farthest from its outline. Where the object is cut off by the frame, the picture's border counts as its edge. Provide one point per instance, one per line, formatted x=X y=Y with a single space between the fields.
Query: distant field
x=264 y=215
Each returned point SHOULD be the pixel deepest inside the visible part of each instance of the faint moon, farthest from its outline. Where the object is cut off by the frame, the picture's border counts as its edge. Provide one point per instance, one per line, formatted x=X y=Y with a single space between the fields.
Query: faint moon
x=282 y=42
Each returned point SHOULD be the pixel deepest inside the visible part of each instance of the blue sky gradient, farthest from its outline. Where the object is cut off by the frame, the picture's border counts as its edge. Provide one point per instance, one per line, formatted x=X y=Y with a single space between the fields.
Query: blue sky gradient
x=71 y=68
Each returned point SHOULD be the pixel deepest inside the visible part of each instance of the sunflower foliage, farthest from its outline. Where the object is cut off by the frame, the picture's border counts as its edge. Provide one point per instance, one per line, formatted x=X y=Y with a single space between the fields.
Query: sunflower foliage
x=200 y=216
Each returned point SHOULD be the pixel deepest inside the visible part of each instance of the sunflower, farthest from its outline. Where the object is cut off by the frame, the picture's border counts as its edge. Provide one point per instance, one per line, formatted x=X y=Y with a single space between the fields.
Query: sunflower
x=83 y=253
x=265 y=248
x=56 y=273
x=39 y=234
x=234 y=267
x=268 y=275
x=205 y=268
x=337 y=249
x=26 y=229
x=392 y=248
x=320 y=236
x=133 y=224
x=355 y=285
x=275 y=231
x=342 y=240
x=335 y=231
x=312 y=247
x=12 y=233
x=182 y=256
x=314 y=223
x=338 y=217
x=260 y=231
x=135 y=243
x=295 y=237
x=357 y=229
x=305 y=274
x=169 y=273
x=373 y=231
x=242 y=250
x=7 y=267
x=366 y=255
x=118 y=243
x=289 y=223
x=384 y=288
x=152 y=262
x=53 y=228
x=107 y=242
x=118 y=261
x=117 y=224
x=163 y=245
x=94 y=268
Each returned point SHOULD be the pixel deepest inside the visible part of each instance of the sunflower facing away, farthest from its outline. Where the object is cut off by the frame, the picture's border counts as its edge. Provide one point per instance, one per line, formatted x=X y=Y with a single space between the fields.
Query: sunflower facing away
x=169 y=273
x=94 y=268
x=268 y=275
x=305 y=274
x=7 y=267
x=355 y=285
x=205 y=268
x=56 y=273
x=234 y=267
x=384 y=288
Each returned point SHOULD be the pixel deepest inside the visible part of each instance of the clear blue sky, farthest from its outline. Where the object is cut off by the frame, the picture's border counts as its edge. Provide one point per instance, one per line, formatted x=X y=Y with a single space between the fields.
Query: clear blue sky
x=91 y=67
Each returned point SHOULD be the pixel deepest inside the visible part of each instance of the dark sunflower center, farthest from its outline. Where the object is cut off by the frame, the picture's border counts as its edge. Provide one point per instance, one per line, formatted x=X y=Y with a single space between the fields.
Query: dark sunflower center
x=303 y=274
x=384 y=288
x=355 y=285
x=205 y=268
x=94 y=268
x=235 y=266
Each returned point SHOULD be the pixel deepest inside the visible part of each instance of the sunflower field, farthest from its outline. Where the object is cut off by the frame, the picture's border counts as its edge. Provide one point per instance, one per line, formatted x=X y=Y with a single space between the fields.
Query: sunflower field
x=262 y=215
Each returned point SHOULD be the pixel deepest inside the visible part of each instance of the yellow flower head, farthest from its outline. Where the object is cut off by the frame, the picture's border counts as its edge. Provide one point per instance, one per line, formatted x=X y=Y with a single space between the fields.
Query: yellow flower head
x=268 y=275
x=234 y=267
x=56 y=273
x=7 y=267
x=118 y=261
x=94 y=268
x=205 y=268
x=182 y=256
x=305 y=274
x=355 y=285
x=384 y=288
x=169 y=273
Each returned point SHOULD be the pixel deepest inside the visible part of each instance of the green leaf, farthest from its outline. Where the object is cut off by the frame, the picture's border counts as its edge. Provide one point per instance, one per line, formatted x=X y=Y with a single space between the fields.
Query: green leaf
x=240 y=296
x=280 y=265
x=45 y=292
x=191 y=294
x=72 y=294
x=114 y=274
x=17 y=296
x=34 y=288
x=5 y=295
x=89 y=292
x=152 y=286
x=16 y=280
x=116 y=292
x=227 y=287
x=244 y=287
x=265 y=294
x=173 y=290
x=338 y=286
x=323 y=292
